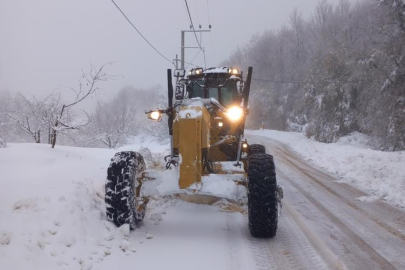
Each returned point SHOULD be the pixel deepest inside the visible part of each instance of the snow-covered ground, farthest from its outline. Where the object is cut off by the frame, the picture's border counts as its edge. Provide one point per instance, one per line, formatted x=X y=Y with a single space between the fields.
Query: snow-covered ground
x=52 y=210
x=381 y=174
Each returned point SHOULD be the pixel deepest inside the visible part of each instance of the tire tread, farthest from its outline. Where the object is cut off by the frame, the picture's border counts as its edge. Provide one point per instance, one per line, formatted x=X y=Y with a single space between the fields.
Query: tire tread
x=262 y=196
x=120 y=188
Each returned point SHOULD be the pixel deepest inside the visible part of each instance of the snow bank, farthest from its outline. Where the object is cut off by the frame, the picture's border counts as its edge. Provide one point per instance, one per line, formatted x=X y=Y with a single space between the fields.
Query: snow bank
x=52 y=210
x=52 y=207
x=379 y=173
x=140 y=142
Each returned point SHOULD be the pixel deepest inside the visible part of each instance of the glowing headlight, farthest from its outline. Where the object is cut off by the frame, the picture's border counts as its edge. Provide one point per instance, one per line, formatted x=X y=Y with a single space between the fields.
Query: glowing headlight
x=233 y=71
x=155 y=115
x=220 y=124
x=234 y=113
x=244 y=145
x=197 y=71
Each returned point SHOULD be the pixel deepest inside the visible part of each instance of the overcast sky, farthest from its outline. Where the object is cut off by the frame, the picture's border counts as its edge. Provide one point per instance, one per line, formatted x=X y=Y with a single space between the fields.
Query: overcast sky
x=46 y=43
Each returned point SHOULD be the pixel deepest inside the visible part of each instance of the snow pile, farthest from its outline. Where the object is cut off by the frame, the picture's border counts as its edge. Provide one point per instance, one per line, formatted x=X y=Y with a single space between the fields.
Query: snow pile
x=191 y=108
x=217 y=70
x=229 y=167
x=224 y=186
x=145 y=142
x=52 y=210
x=166 y=182
x=379 y=173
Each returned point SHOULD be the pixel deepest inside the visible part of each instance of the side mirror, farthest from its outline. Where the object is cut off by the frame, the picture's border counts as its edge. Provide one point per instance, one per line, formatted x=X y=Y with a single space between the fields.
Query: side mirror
x=180 y=87
x=179 y=73
x=179 y=94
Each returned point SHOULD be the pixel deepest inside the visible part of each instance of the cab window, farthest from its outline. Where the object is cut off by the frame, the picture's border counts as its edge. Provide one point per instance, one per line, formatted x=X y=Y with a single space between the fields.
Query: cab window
x=226 y=95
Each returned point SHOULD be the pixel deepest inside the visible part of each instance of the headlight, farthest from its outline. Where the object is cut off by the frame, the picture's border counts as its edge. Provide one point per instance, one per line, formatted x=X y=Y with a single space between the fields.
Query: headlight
x=233 y=71
x=197 y=71
x=234 y=113
x=155 y=115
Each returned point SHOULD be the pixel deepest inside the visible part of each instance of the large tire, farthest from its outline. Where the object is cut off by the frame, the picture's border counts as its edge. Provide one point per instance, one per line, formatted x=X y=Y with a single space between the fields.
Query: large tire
x=256 y=149
x=120 y=197
x=262 y=196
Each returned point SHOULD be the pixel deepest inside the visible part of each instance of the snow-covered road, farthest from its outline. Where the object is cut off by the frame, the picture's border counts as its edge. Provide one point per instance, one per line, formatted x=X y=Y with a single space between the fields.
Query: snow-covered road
x=346 y=232
x=323 y=226
x=57 y=221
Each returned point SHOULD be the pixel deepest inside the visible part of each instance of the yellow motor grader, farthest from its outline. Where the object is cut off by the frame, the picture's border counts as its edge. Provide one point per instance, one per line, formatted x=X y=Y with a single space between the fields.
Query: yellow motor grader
x=206 y=121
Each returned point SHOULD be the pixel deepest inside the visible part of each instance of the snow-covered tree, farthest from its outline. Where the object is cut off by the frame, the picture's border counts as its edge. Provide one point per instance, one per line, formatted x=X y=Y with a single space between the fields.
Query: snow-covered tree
x=27 y=114
x=112 y=123
x=342 y=70
x=60 y=117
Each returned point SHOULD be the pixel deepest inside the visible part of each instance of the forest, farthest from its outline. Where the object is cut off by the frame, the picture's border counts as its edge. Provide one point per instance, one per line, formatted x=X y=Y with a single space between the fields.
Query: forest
x=342 y=70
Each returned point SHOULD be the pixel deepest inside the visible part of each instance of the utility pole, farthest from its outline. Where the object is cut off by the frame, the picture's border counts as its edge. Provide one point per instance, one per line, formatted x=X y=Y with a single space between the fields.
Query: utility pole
x=177 y=60
x=183 y=46
x=182 y=49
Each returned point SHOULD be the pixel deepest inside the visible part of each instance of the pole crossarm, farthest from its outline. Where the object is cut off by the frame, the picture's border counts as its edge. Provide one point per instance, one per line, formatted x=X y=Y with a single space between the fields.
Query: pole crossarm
x=184 y=47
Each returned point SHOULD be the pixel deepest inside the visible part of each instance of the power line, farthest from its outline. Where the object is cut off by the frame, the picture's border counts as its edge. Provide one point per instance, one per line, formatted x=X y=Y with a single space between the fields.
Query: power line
x=191 y=64
x=209 y=21
x=193 y=58
x=196 y=11
x=304 y=82
x=205 y=59
x=195 y=35
x=208 y=11
x=199 y=23
x=192 y=24
x=150 y=44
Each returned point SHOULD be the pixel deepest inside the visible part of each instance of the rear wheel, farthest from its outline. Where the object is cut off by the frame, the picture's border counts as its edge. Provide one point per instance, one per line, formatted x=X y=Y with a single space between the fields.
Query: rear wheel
x=122 y=205
x=262 y=196
x=256 y=149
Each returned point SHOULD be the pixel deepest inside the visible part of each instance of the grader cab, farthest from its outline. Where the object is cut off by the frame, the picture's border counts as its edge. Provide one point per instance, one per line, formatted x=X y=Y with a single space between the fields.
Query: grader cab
x=206 y=124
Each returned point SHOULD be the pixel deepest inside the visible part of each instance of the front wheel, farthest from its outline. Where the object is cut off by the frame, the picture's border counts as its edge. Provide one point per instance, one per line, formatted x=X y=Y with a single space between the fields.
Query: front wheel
x=121 y=188
x=256 y=149
x=262 y=196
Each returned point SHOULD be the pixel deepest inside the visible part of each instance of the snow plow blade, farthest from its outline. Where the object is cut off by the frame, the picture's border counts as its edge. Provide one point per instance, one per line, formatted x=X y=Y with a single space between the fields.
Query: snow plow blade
x=226 y=205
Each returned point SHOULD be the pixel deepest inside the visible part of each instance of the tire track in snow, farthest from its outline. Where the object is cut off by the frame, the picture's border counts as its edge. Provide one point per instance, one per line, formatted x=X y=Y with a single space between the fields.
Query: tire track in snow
x=231 y=233
x=330 y=258
x=300 y=241
x=374 y=255
x=289 y=249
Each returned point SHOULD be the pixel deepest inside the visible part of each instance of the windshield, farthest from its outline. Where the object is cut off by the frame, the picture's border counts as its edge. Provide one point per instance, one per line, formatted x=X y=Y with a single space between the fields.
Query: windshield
x=226 y=95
